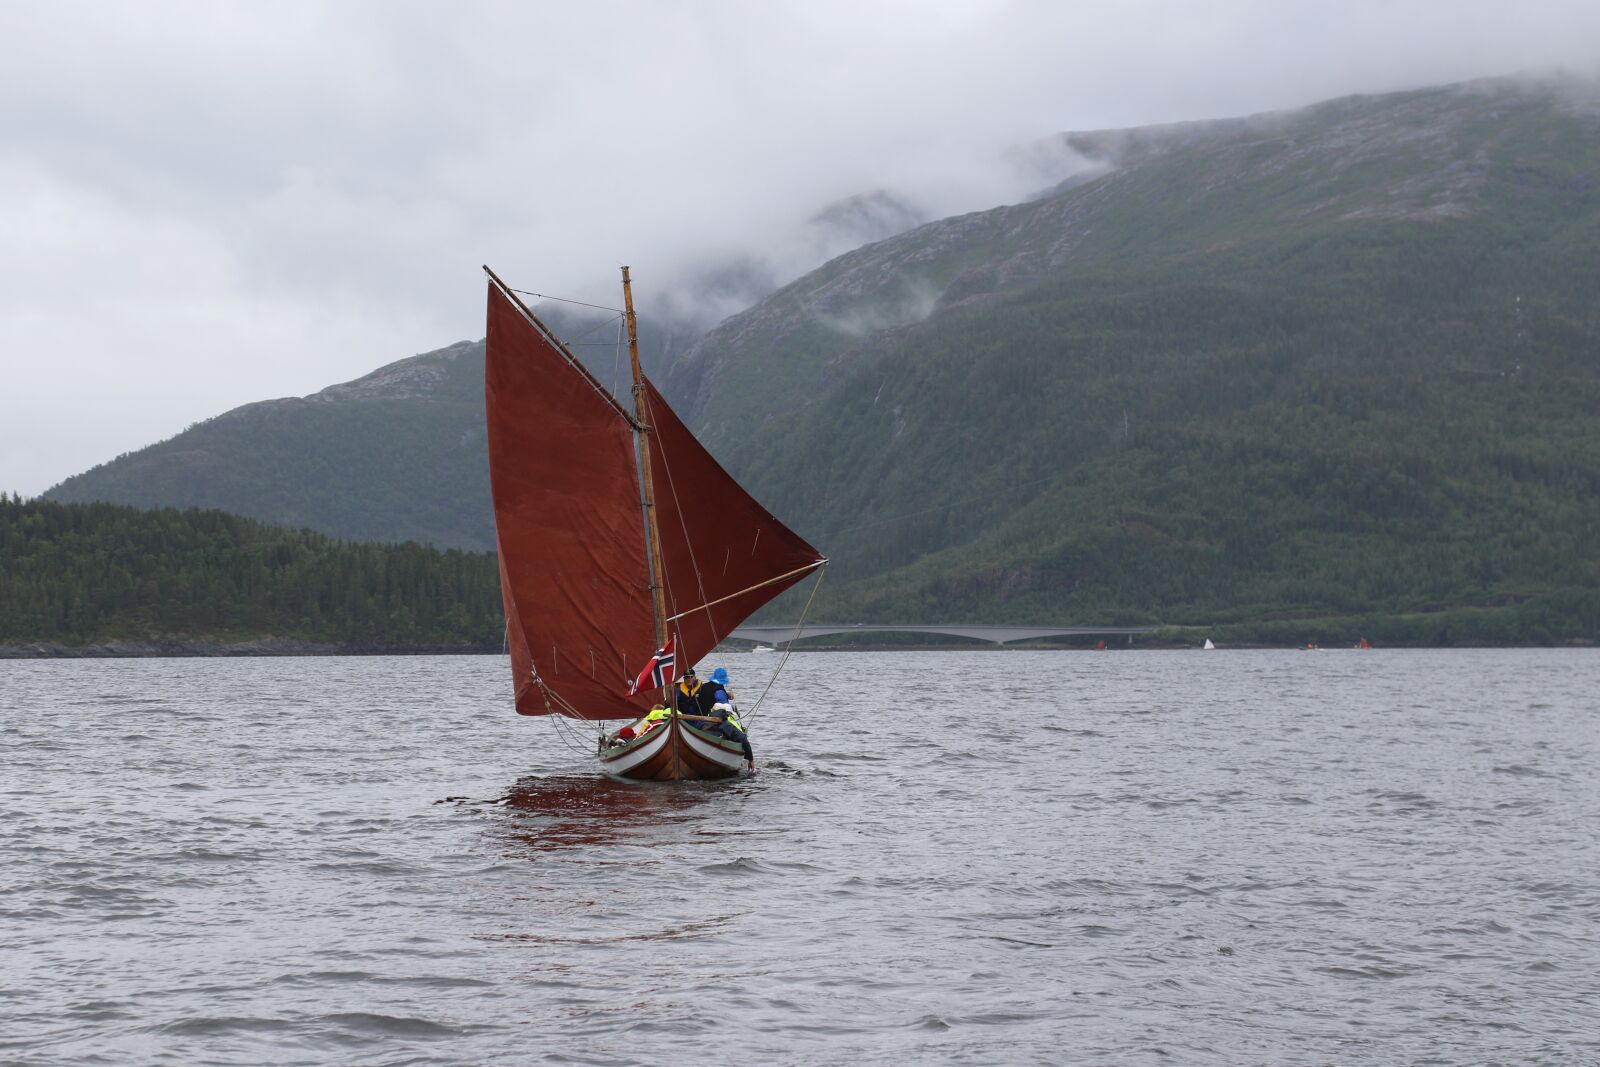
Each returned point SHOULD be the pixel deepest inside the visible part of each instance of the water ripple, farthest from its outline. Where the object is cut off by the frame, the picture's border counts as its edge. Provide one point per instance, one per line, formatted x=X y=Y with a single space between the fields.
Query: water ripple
x=1230 y=858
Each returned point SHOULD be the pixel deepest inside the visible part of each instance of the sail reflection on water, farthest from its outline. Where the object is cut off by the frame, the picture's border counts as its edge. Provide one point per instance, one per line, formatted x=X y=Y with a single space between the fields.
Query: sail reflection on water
x=573 y=811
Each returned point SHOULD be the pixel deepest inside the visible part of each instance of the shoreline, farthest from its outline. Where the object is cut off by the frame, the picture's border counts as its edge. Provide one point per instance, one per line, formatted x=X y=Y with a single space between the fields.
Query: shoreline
x=198 y=649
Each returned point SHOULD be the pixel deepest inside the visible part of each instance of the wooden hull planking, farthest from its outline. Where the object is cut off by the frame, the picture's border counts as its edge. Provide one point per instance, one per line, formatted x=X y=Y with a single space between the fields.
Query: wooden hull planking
x=674 y=752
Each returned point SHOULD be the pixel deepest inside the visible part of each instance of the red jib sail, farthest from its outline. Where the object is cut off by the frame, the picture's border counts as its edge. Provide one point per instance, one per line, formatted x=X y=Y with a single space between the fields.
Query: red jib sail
x=723 y=553
x=574 y=557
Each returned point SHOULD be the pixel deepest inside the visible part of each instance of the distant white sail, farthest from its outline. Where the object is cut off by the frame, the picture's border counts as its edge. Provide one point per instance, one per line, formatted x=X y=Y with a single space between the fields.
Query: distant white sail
x=1208 y=644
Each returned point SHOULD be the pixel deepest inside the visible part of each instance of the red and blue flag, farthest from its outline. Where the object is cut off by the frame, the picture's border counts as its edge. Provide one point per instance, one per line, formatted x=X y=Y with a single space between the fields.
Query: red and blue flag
x=658 y=673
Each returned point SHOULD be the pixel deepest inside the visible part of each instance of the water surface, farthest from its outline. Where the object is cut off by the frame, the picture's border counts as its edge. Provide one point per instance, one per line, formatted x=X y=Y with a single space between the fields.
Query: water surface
x=1020 y=857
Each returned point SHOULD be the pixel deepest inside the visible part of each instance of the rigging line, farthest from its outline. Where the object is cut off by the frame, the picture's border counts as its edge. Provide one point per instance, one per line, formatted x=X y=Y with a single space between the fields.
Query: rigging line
x=565 y=731
x=565 y=721
x=564 y=300
x=616 y=361
x=550 y=694
x=751 y=589
x=946 y=507
x=596 y=328
x=788 y=648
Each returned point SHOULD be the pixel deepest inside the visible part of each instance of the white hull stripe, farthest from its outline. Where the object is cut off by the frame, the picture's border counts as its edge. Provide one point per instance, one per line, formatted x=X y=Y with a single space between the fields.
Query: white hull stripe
x=656 y=740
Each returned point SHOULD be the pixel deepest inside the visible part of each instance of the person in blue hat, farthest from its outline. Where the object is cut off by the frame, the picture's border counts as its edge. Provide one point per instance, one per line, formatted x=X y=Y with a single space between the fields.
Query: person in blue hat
x=720 y=715
x=715 y=691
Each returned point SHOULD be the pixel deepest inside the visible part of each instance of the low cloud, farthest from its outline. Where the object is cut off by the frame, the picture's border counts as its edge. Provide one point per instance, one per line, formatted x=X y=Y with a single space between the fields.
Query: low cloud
x=203 y=205
x=915 y=301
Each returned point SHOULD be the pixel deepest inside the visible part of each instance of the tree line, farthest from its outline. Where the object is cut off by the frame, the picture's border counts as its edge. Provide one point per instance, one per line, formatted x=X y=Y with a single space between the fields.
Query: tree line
x=88 y=573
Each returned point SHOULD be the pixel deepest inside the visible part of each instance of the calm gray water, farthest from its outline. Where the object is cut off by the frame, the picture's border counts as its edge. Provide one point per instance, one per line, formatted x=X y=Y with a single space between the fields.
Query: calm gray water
x=1020 y=857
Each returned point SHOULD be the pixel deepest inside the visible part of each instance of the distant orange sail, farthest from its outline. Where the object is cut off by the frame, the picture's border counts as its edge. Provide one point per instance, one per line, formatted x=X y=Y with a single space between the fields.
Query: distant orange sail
x=574 y=555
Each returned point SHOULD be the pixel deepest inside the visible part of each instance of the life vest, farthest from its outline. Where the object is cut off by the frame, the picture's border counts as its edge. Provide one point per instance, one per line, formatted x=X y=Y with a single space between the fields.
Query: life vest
x=732 y=718
x=655 y=718
x=690 y=697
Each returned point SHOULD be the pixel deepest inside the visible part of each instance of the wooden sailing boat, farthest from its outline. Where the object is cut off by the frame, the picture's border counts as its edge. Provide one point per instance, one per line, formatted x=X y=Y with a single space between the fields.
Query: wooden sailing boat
x=618 y=533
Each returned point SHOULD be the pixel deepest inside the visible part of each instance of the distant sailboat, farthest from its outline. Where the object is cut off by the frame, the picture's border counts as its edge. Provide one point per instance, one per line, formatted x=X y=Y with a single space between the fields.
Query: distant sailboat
x=1208 y=646
x=608 y=549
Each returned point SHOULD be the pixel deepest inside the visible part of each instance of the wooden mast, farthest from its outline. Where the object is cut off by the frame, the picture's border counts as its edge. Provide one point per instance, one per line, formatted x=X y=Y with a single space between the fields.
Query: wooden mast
x=658 y=592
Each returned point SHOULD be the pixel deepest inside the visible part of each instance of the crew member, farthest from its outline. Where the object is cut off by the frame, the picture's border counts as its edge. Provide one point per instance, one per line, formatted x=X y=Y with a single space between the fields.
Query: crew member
x=688 y=694
x=715 y=691
x=725 y=721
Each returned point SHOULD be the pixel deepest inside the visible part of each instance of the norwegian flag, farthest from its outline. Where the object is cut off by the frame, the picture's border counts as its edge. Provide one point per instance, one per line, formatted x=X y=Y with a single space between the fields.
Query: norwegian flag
x=658 y=672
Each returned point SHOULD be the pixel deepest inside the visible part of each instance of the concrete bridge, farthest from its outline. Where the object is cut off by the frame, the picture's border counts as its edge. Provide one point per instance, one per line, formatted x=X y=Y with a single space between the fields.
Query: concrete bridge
x=1000 y=635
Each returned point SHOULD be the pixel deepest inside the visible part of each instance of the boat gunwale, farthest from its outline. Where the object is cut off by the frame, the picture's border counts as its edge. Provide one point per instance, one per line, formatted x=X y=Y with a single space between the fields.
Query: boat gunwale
x=616 y=751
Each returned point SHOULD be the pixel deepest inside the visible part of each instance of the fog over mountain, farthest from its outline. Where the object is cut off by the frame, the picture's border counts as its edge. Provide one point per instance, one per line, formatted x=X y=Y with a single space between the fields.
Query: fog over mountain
x=203 y=205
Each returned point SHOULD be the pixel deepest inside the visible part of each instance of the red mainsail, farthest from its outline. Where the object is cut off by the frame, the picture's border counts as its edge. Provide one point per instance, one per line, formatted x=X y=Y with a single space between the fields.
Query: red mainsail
x=574 y=551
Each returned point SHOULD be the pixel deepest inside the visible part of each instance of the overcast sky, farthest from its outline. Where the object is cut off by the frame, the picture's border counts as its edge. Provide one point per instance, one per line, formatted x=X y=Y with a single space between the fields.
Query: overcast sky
x=206 y=204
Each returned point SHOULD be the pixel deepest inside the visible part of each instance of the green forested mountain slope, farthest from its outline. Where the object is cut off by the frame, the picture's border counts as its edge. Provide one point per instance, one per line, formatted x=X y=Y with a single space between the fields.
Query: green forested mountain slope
x=1329 y=363
x=72 y=574
x=399 y=455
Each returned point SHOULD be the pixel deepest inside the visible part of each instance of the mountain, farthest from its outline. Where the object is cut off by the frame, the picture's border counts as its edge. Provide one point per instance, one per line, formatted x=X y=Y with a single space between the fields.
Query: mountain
x=398 y=455
x=1321 y=363
x=1336 y=363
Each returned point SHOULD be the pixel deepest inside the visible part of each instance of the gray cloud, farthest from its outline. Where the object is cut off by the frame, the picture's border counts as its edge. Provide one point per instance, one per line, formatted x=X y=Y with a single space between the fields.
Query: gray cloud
x=205 y=204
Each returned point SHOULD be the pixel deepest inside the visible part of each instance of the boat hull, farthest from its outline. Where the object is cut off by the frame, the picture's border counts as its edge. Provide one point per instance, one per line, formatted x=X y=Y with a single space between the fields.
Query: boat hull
x=674 y=752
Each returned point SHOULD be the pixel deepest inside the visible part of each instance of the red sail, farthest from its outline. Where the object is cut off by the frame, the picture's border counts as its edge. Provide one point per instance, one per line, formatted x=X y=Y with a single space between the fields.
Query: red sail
x=724 y=554
x=573 y=569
